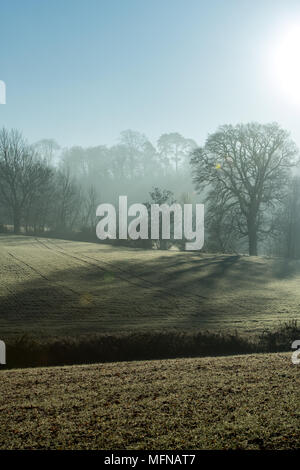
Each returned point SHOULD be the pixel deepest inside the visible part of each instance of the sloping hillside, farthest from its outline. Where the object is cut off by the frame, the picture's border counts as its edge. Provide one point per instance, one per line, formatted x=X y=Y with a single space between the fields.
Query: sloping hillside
x=61 y=287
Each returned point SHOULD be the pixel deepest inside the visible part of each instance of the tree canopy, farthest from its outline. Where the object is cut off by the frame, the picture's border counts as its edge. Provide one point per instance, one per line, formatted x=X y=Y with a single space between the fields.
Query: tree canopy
x=245 y=169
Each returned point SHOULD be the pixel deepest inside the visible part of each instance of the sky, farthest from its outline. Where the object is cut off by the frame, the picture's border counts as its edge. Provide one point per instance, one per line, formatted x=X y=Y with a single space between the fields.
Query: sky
x=83 y=71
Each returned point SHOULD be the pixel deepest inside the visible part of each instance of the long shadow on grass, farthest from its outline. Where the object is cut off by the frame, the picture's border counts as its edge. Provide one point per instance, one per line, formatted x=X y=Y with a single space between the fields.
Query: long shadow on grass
x=102 y=295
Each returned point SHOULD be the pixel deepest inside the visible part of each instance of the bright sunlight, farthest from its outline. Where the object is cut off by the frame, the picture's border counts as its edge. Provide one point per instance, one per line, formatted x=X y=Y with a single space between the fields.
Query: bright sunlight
x=286 y=63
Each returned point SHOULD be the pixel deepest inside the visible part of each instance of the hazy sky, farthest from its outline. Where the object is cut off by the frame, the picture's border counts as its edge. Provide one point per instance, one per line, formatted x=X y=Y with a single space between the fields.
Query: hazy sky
x=82 y=71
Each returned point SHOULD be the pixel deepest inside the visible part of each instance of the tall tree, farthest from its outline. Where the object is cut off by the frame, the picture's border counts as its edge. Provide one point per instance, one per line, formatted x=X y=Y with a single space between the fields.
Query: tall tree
x=68 y=201
x=286 y=240
x=133 y=145
x=47 y=149
x=247 y=166
x=174 y=148
x=89 y=203
x=22 y=174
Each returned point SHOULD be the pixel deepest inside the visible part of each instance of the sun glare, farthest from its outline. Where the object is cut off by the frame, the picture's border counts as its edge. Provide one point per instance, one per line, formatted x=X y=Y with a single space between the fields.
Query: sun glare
x=286 y=63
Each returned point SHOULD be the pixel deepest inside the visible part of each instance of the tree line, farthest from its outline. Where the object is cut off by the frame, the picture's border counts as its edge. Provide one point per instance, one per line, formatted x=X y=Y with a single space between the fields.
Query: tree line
x=245 y=174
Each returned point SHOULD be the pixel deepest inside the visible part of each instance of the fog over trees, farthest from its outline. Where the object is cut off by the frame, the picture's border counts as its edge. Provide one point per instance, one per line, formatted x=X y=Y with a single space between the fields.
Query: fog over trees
x=246 y=169
x=244 y=174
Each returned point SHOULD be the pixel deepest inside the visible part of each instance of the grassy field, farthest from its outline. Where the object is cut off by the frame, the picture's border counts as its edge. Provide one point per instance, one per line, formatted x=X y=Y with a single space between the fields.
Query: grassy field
x=54 y=287
x=57 y=287
x=238 y=402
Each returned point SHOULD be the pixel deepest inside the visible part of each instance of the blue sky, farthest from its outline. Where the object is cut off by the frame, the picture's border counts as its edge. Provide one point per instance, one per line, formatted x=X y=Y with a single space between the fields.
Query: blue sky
x=83 y=71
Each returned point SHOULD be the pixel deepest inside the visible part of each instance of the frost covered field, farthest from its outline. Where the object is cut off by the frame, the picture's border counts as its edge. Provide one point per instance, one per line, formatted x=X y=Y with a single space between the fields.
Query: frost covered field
x=237 y=402
x=51 y=286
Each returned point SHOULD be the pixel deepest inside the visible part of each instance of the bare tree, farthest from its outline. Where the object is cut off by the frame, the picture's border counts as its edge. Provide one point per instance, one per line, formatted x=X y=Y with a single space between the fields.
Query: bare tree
x=221 y=224
x=286 y=240
x=248 y=167
x=22 y=174
x=38 y=210
x=133 y=143
x=47 y=149
x=90 y=202
x=68 y=202
x=174 y=148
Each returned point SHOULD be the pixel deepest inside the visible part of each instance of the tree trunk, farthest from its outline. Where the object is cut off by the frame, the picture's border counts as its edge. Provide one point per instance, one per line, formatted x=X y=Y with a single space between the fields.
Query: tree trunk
x=252 y=242
x=17 y=222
